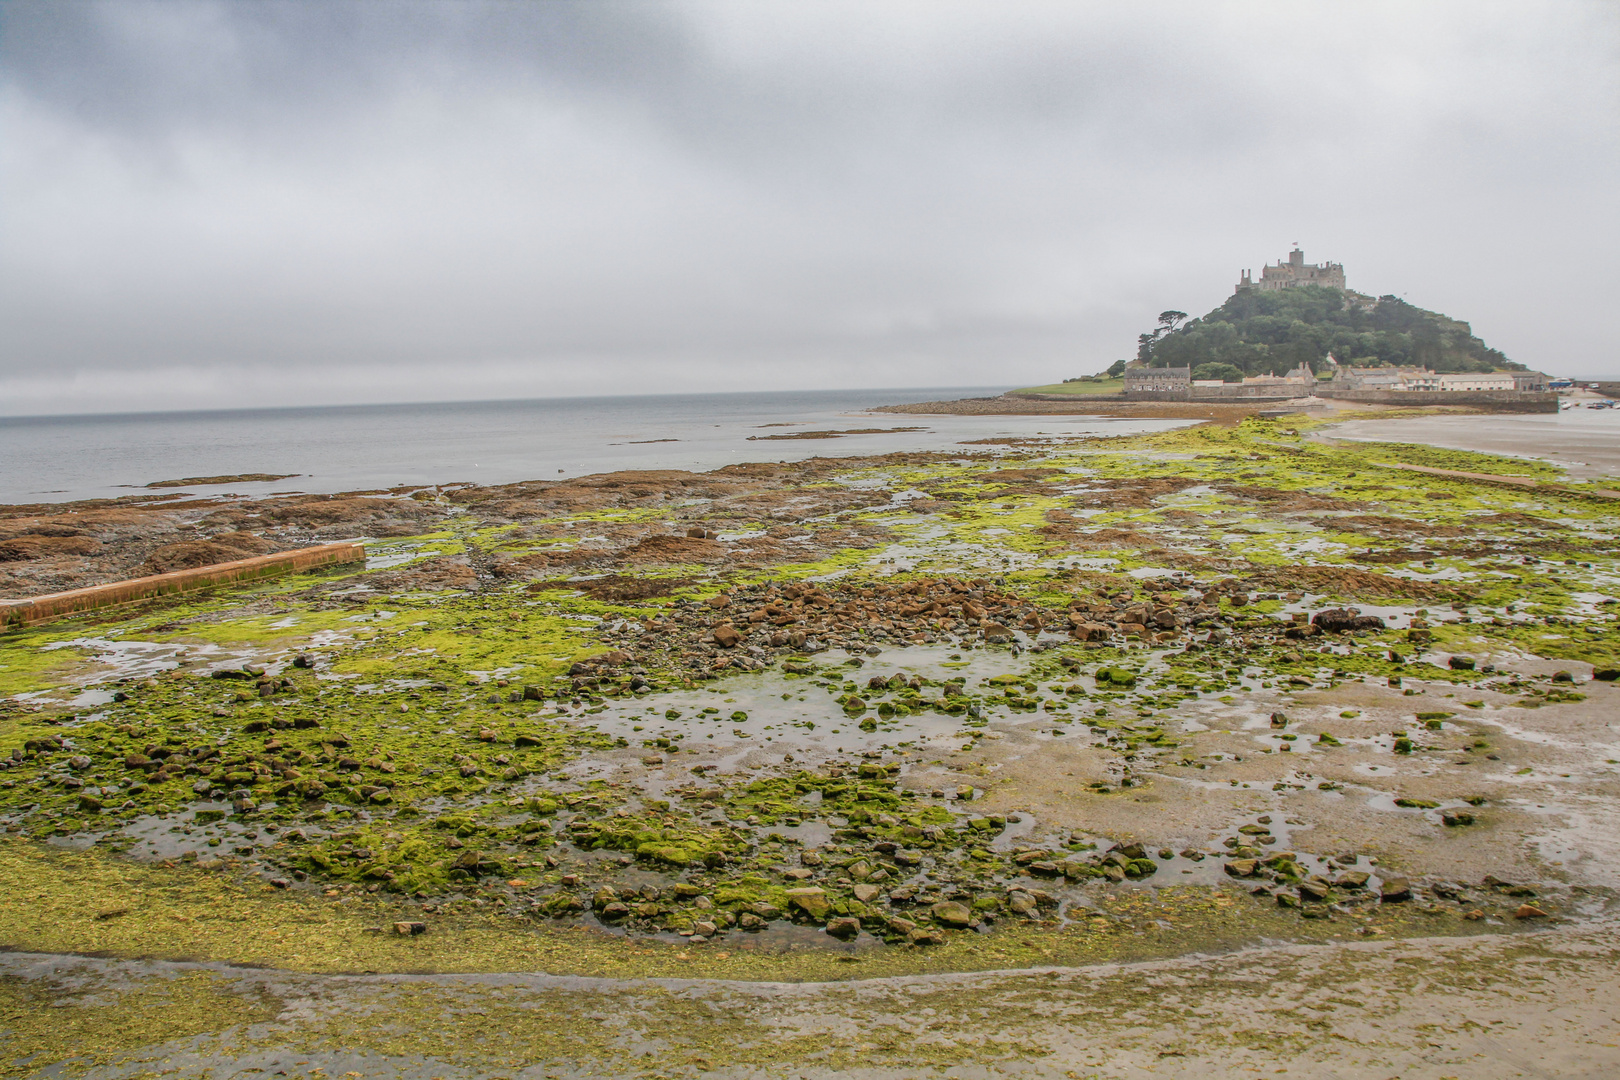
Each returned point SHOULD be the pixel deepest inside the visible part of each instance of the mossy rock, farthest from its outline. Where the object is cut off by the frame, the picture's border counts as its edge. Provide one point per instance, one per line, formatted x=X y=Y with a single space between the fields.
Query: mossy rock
x=1116 y=676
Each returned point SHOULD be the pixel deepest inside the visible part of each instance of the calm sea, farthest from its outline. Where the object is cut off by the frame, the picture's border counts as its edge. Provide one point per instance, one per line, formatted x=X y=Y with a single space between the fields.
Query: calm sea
x=356 y=447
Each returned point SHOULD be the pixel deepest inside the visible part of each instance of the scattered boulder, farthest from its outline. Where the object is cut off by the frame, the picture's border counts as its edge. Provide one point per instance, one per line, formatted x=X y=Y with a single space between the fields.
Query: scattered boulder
x=1395 y=889
x=1341 y=620
x=810 y=900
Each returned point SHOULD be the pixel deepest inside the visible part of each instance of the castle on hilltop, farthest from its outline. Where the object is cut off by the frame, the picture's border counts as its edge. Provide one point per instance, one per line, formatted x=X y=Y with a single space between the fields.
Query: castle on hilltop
x=1294 y=272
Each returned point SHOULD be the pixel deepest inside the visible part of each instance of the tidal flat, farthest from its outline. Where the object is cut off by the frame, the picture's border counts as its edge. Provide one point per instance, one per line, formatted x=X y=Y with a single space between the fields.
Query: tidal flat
x=1019 y=723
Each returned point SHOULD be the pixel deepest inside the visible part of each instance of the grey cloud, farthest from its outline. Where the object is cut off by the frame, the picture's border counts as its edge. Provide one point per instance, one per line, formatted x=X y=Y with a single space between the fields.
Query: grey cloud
x=325 y=201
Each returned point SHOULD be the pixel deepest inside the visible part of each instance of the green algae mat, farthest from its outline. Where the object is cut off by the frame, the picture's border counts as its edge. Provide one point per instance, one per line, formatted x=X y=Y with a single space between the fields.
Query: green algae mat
x=1060 y=703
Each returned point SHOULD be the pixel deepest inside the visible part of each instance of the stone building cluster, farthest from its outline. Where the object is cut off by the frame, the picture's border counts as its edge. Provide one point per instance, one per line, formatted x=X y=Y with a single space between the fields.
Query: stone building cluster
x=1416 y=379
x=1178 y=382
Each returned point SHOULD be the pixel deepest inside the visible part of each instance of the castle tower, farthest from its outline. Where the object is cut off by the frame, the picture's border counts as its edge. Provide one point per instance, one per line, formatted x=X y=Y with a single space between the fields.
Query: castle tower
x=1293 y=272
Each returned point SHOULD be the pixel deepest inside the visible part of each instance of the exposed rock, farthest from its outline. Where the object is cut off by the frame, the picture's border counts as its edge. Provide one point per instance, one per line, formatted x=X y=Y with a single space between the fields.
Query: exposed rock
x=1339 y=620
x=810 y=900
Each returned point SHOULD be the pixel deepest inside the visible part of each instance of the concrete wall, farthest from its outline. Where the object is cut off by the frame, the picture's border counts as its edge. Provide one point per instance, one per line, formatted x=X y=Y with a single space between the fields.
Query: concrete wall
x=1517 y=401
x=56 y=605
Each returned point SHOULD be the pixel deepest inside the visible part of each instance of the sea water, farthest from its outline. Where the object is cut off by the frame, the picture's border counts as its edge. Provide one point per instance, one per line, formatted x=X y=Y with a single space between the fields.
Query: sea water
x=364 y=447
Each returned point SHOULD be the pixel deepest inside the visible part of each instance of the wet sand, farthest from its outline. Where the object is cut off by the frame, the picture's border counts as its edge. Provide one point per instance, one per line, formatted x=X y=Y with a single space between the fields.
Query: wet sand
x=1536 y=1006
x=1584 y=441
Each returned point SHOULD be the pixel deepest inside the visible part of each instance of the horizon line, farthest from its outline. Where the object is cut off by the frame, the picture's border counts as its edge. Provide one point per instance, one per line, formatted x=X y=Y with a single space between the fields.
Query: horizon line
x=222 y=410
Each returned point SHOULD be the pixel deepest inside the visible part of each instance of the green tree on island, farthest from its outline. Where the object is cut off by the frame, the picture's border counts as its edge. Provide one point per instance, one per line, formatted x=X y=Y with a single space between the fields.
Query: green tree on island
x=1168 y=320
x=1257 y=333
x=1223 y=372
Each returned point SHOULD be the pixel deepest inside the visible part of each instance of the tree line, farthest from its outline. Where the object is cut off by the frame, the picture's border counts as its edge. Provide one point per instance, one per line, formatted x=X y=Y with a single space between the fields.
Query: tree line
x=1260 y=333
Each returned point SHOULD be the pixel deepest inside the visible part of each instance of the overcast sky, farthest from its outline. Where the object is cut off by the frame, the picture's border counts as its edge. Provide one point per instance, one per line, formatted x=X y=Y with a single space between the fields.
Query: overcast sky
x=238 y=204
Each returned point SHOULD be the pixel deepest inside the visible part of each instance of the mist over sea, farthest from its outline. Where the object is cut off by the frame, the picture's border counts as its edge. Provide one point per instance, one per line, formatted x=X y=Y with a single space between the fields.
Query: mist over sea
x=357 y=447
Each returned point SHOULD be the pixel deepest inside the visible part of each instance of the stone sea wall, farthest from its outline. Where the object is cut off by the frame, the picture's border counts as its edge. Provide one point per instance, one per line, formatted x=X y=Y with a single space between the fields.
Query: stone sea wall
x=55 y=605
x=1518 y=401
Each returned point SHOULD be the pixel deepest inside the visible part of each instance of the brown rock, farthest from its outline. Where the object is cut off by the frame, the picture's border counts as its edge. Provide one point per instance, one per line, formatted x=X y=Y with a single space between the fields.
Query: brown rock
x=810 y=900
x=726 y=636
x=1529 y=911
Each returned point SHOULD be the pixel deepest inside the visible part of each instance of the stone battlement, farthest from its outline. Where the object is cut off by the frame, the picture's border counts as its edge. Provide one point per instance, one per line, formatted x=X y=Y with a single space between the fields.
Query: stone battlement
x=1292 y=274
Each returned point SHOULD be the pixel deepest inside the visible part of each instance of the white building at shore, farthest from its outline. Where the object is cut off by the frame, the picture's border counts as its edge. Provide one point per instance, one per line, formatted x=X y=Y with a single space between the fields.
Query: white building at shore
x=1478 y=380
x=1391 y=378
